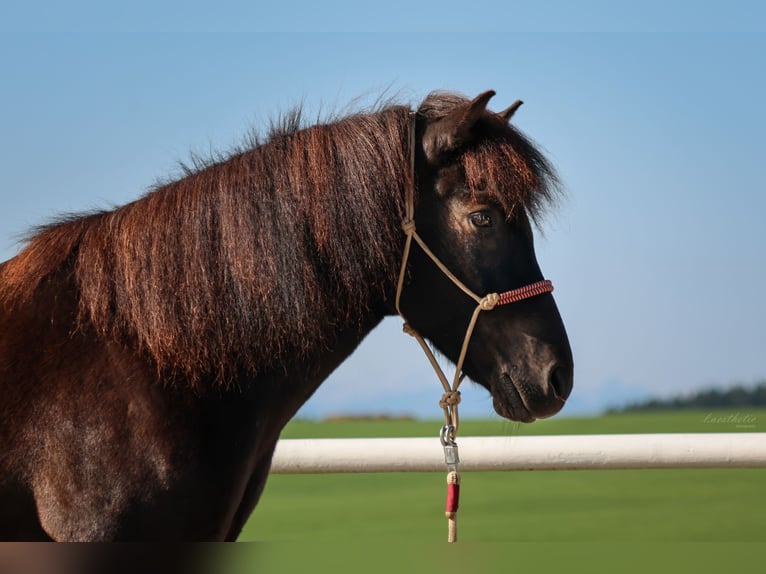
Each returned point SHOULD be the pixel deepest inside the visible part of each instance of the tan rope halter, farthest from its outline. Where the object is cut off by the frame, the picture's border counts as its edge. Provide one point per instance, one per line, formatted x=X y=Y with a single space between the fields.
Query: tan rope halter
x=451 y=397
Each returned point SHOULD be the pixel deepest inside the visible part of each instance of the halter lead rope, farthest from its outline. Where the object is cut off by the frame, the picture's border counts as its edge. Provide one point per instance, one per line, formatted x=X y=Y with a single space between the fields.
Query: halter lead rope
x=451 y=397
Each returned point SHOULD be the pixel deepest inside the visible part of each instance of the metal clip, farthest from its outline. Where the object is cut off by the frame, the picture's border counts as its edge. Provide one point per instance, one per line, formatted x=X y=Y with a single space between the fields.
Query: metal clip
x=451 y=457
x=447 y=435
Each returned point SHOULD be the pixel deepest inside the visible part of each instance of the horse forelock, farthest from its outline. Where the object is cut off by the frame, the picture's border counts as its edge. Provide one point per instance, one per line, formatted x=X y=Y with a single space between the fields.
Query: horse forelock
x=501 y=163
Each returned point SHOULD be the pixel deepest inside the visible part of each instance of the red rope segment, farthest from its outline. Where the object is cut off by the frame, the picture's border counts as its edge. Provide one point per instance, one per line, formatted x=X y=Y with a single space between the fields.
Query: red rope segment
x=453 y=494
x=525 y=292
x=453 y=497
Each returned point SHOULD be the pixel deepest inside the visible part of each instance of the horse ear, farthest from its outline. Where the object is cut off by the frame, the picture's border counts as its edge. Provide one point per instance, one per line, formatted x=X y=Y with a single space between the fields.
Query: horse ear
x=507 y=113
x=455 y=129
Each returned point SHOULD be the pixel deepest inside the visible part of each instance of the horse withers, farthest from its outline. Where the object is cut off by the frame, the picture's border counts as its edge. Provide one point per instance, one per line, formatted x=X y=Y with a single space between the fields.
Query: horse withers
x=151 y=355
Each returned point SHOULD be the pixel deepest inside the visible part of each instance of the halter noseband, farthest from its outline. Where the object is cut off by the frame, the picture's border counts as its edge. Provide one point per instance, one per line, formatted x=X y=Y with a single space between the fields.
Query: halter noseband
x=451 y=397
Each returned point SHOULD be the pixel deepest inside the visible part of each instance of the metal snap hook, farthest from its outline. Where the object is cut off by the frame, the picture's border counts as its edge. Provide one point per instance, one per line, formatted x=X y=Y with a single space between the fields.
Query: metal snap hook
x=447 y=435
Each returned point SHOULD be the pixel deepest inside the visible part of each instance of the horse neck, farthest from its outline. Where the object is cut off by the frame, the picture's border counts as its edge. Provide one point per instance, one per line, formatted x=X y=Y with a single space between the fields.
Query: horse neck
x=273 y=254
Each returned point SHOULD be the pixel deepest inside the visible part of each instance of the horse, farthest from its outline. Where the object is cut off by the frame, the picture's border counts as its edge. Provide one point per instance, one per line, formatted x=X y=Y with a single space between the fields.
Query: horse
x=150 y=355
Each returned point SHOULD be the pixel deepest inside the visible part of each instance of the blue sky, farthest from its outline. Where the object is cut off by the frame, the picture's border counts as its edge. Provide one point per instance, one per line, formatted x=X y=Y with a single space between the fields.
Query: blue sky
x=656 y=252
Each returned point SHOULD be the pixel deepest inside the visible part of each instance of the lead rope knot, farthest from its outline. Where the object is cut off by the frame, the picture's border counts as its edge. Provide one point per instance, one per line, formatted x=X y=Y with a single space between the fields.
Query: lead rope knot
x=450 y=399
x=407 y=328
x=489 y=301
x=408 y=226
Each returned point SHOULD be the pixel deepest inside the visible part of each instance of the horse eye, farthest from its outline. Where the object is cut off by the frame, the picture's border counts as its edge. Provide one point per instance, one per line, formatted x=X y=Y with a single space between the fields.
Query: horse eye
x=481 y=219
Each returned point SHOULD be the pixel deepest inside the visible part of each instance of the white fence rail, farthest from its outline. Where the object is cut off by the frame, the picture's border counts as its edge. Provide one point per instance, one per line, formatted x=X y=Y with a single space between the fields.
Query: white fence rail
x=573 y=452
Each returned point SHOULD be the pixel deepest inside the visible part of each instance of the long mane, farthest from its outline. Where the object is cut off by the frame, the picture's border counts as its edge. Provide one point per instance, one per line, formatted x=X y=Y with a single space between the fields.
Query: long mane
x=246 y=261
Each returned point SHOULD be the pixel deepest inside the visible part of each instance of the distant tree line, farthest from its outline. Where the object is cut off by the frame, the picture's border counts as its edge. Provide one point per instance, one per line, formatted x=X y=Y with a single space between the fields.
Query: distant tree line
x=736 y=396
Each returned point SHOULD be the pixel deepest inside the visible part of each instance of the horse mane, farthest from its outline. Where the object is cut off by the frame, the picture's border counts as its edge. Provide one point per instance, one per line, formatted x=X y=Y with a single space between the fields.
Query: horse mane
x=246 y=261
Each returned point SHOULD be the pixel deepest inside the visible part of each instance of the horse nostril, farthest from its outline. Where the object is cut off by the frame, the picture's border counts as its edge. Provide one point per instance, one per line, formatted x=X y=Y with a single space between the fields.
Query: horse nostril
x=561 y=381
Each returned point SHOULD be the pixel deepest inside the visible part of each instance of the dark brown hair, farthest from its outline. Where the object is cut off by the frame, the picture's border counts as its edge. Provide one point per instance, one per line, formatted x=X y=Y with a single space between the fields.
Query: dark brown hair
x=244 y=261
x=502 y=164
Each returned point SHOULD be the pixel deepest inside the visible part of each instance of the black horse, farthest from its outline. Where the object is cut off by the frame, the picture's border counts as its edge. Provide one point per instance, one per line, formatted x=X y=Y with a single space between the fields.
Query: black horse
x=151 y=355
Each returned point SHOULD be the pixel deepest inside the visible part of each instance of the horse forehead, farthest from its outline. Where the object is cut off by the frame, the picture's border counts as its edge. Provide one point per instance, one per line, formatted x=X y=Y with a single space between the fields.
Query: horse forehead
x=449 y=181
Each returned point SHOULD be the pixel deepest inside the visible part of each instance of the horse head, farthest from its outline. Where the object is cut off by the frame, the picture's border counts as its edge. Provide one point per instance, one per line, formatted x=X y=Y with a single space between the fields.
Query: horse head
x=479 y=183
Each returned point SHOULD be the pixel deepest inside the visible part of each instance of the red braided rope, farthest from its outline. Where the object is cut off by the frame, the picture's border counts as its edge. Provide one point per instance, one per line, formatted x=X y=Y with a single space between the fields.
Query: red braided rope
x=453 y=497
x=525 y=292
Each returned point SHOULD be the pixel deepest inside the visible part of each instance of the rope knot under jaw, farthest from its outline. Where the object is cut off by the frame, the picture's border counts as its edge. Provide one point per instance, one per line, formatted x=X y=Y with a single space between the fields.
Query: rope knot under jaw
x=407 y=328
x=450 y=399
x=408 y=226
x=489 y=301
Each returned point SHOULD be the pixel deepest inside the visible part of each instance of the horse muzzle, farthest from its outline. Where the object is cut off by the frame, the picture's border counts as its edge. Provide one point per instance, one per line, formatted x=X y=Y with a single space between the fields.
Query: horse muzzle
x=518 y=397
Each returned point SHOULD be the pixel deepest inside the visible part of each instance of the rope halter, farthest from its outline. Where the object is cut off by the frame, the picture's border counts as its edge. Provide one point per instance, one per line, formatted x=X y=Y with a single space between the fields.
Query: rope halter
x=451 y=397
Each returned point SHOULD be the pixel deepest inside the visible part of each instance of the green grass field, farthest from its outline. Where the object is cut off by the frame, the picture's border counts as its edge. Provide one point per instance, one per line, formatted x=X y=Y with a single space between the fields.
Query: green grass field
x=711 y=505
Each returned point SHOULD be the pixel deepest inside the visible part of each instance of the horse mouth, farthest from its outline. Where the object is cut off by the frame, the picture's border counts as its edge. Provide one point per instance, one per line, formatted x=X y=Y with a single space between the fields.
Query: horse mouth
x=509 y=403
